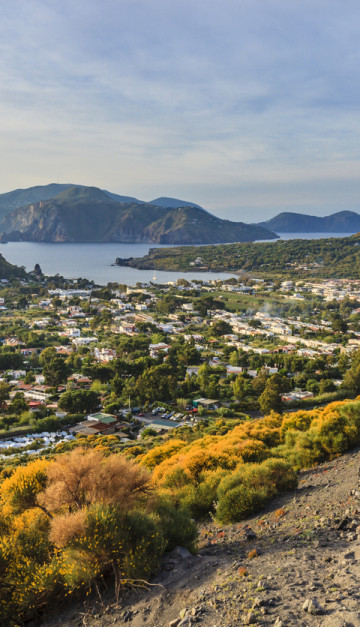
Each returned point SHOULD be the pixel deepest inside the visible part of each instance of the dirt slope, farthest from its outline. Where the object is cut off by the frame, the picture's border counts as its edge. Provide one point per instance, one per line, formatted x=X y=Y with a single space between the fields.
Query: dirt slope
x=306 y=569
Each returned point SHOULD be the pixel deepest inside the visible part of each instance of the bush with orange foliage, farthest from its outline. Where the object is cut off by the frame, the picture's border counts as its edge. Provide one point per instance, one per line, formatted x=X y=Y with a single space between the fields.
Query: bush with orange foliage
x=66 y=522
x=81 y=478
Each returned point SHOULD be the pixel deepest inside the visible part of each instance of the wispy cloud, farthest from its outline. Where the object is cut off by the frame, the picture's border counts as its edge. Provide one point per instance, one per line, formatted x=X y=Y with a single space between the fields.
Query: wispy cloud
x=240 y=106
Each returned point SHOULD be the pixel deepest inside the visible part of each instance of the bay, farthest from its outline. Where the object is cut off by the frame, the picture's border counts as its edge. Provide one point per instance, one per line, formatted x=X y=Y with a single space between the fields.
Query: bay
x=94 y=262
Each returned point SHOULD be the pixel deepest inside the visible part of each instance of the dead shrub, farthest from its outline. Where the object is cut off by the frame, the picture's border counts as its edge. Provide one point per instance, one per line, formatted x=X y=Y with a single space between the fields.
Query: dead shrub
x=83 y=477
x=66 y=527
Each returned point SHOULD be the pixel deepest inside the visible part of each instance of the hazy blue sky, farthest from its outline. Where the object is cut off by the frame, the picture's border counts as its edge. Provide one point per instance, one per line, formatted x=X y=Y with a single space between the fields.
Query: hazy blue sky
x=247 y=107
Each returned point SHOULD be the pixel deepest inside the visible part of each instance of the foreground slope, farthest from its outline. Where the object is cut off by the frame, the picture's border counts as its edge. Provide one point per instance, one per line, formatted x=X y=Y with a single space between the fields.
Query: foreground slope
x=88 y=214
x=308 y=548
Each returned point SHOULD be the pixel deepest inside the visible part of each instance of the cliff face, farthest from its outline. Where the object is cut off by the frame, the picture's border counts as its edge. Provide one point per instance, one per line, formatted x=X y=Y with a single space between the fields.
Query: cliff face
x=89 y=215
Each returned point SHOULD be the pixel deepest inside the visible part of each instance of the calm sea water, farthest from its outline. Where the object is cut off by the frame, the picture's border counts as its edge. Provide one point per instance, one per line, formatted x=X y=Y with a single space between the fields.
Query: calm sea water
x=93 y=261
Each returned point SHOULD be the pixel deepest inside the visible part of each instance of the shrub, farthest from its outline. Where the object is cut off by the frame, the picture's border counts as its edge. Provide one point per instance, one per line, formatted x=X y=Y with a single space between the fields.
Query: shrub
x=177 y=526
x=20 y=490
x=252 y=554
x=245 y=491
x=239 y=503
x=302 y=450
x=84 y=477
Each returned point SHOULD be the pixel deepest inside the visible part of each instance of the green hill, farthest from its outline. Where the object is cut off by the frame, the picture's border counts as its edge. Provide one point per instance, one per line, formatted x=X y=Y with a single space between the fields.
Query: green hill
x=10 y=271
x=88 y=214
x=328 y=257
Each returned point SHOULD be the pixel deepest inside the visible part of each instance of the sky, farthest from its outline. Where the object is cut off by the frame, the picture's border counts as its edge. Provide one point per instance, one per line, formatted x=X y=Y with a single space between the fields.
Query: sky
x=246 y=107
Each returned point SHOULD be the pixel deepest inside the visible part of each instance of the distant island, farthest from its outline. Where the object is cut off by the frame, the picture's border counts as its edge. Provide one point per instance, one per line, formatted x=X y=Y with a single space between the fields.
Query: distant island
x=328 y=257
x=89 y=214
x=288 y=222
x=78 y=213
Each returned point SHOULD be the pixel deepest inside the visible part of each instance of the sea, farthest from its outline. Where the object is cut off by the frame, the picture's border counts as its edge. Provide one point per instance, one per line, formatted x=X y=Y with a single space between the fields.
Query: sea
x=96 y=262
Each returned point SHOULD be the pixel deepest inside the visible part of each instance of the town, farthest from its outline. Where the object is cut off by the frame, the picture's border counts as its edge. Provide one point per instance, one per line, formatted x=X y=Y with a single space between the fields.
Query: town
x=134 y=364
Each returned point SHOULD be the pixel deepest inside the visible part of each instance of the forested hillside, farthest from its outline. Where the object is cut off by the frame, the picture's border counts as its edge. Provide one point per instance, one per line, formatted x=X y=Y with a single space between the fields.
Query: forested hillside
x=332 y=257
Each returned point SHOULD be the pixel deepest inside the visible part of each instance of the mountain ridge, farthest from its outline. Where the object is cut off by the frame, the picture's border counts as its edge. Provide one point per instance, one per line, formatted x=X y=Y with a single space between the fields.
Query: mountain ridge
x=89 y=214
x=9 y=201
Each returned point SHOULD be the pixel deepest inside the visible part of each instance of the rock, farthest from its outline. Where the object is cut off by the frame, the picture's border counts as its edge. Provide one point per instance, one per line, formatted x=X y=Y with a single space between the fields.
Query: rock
x=37 y=270
x=183 y=612
x=278 y=622
x=342 y=619
x=186 y=622
x=127 y=616
x=250 y=534
x=250 y=618
x=180 y=552
x=175 y=622
x=312 y=606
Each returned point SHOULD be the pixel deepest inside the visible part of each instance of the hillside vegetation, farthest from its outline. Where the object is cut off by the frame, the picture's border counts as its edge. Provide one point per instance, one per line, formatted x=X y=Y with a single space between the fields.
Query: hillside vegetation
x=332 y=257
x=9 y=270
x=67 y=522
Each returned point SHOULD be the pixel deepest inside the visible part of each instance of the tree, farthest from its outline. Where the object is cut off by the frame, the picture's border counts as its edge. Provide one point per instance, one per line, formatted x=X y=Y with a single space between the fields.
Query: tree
x=167 y=304
x=18 y=404
x=255 y=324
x=338 y=325
x=79 y=401
x=312 y=386
x=221 y=327
x=352 y=376
x=4 y=392
x=242 y=387
x=47 y=355
x=22 y=302
x=259 y=383
x=270 y=399
x=55 y=371
x=327 y=385
x=207 y=304
x=157 y=382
